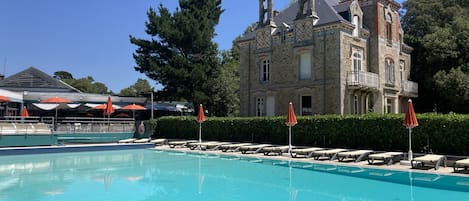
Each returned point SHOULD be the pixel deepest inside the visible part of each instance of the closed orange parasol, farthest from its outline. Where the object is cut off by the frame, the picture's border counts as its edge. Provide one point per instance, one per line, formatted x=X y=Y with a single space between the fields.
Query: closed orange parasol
x=290 y=121
x=109 y=108
x=410 y=121
x=200 y=119
x=24 y=112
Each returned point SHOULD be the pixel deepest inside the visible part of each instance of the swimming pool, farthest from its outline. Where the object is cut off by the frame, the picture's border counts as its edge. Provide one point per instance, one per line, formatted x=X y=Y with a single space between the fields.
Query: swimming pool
x=133 y=175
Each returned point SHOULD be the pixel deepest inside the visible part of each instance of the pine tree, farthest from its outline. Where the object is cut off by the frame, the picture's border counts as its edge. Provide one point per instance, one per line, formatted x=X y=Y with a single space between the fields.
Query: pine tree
x=181 y=55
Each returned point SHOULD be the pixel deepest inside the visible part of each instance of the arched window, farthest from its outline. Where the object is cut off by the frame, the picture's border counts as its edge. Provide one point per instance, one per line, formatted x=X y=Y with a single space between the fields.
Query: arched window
x=355 y=21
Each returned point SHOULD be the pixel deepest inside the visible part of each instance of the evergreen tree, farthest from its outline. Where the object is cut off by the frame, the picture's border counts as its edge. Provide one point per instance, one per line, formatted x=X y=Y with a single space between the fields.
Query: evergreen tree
x=438 y=30
x=180 y=54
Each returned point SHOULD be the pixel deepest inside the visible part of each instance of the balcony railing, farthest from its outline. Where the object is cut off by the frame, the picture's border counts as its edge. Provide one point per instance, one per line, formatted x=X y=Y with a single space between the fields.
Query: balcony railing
x=362 y=79
x=410 y=87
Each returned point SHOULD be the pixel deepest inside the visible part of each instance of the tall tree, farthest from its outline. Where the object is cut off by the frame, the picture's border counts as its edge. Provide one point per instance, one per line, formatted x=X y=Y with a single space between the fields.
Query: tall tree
x=438 y=30
x=139 y=87
x=85 y=84
x=181 y=55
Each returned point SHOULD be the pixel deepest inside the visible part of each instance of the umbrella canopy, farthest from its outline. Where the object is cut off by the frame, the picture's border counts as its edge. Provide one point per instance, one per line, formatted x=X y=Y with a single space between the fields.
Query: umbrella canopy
x=4 y=99
x=291 y=117
x=200 y=119
x=290 y=121
x=56 y=100
x=201 y=116
x=133 y=107
x=109 y=108
x=410 y=121
x=24 y=112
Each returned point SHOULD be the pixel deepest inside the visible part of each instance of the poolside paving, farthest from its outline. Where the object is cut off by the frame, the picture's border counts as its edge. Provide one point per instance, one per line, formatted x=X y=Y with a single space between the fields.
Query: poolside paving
x=396 y=166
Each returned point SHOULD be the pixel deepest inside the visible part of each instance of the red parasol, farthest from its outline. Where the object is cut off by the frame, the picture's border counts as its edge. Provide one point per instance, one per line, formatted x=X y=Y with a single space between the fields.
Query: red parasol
x=56 y=100
x=290 y=121
x=201 y=116
x=4 y=99
x=133 y=107
x=200 y=119
x=291 y=117
x=100 y=107
x=410 y=121
x=24 y=112
x=109 y=108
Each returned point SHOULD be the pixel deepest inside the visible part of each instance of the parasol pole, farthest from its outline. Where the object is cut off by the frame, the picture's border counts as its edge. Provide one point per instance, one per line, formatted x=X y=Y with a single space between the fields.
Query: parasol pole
x=289 y=139
x=410 y=156
x=200 y=135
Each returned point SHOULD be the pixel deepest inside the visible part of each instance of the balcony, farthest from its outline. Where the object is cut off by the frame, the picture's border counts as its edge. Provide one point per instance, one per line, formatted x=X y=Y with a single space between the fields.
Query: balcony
x=362 y=80
x=409 y=87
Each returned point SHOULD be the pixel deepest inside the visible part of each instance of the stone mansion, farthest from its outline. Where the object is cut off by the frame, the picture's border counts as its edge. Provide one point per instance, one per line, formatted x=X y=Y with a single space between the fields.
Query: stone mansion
x=326 y=57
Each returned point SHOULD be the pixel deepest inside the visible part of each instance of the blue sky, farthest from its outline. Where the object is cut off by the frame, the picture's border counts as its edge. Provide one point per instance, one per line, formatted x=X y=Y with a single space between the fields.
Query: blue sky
x=91 y=37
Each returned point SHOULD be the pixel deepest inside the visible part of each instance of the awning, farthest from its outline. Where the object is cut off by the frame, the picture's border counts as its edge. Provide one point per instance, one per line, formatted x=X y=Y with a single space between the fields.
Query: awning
x=52 y=106
x=13 y=96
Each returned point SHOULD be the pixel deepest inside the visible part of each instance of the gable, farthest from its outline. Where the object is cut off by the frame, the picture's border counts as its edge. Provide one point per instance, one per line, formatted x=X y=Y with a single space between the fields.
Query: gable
x=33 y=79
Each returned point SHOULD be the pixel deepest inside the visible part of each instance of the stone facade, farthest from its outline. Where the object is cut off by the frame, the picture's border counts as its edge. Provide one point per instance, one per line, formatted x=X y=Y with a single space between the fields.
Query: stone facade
x=326 y=57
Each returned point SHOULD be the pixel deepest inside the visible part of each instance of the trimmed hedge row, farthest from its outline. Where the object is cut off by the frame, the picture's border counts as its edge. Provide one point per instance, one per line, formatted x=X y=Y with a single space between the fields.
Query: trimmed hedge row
x=446 y=134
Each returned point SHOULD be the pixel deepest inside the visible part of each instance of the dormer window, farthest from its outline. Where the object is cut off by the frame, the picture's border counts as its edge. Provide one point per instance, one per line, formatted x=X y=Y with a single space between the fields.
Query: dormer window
x=355 y=21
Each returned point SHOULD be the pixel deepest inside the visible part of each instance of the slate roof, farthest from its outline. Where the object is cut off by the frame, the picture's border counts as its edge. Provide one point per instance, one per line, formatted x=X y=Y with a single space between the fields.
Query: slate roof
x=325 y=9
x=33 y=79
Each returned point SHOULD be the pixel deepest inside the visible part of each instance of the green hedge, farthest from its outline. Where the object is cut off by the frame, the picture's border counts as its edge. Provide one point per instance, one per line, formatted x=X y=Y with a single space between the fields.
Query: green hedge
x=446 y=134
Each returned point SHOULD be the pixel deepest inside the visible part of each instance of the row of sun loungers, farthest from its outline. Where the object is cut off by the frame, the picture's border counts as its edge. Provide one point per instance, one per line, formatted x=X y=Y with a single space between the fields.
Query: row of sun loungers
x=319 y=153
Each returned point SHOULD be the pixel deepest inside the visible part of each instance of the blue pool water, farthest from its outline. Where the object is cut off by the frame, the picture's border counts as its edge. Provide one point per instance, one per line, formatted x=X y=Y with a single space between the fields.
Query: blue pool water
x=133 y=175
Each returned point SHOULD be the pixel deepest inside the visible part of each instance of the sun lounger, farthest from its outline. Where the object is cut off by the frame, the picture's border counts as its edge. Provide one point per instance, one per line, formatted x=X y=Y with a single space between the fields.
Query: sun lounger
x=306 y=152
x=180 y=143
x=232 y=147
x=429 y=159
x=463 y=163
x=331 y=154
x=356 y=155
x=159 y=141
x=252 y=149
x=143 y=140
x=388 y=158
x=207 y=145
x=278 y=150
x=129 y=140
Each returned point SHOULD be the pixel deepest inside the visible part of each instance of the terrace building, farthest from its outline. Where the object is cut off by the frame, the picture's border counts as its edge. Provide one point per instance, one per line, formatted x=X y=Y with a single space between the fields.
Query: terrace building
x=327 y=57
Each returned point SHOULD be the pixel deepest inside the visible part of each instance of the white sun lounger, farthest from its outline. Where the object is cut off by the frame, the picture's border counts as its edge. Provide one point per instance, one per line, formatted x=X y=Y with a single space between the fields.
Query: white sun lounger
x=252 y=149
x=180 y=143
x=232 y=147
x=388 y=158
x=331 y=154
x=429 y=159
x=211 y=145
x=356 y=155
x=306 y=152
x=142 y=140
x=278 y=150
x=159 y=141
x=129 y=140
x=462 y=163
